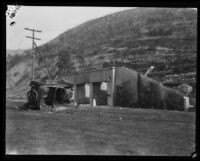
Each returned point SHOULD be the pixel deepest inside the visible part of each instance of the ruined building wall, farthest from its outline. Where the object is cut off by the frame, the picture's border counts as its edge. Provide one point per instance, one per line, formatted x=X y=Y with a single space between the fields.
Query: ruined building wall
x=133 y=89
x=152 y=94
x=125 y=87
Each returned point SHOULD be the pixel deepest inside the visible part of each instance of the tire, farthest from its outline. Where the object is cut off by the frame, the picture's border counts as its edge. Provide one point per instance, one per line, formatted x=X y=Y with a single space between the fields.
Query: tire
x=32 y=96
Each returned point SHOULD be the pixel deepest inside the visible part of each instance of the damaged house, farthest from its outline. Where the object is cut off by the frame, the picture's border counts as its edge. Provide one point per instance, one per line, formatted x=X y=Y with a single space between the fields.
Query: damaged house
x=120 y=86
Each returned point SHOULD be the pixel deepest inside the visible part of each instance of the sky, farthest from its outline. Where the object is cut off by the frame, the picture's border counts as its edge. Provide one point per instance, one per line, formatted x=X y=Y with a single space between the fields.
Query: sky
x=52 y=21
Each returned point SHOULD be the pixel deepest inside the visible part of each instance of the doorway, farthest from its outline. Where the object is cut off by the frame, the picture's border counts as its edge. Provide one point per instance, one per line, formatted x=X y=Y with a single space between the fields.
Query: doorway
x=100 y=93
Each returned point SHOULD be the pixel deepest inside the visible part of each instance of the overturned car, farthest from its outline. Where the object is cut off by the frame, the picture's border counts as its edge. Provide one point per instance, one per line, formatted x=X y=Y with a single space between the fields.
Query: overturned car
x=48 y=94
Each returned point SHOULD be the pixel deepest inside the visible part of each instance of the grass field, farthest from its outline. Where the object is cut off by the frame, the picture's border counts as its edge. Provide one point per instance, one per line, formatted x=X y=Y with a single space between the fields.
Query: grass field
x=100 y=131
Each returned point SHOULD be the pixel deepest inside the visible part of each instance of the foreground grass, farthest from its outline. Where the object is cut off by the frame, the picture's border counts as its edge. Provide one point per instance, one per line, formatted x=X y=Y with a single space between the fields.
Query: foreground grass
x=102 y=131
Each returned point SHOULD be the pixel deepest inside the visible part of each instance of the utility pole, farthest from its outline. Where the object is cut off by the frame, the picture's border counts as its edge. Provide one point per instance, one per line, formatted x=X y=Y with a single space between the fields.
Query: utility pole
x=33 y=38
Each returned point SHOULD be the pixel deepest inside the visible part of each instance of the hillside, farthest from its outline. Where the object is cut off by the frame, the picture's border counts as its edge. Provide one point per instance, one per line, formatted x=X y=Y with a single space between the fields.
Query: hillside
x=136 y=38
x=14 y=52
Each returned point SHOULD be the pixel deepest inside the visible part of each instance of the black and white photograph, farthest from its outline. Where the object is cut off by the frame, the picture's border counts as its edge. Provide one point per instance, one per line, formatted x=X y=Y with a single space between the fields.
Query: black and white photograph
x=101 y=80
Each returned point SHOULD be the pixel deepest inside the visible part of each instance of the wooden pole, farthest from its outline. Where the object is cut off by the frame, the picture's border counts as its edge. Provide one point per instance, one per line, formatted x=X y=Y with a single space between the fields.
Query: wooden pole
x=33 y=38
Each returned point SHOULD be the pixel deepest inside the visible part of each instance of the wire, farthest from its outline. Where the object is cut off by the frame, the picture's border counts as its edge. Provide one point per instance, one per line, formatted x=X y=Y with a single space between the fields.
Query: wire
x=44 y=61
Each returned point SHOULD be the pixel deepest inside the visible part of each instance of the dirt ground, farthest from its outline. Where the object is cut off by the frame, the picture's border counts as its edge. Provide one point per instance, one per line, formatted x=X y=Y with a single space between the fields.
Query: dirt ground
x=100 y=131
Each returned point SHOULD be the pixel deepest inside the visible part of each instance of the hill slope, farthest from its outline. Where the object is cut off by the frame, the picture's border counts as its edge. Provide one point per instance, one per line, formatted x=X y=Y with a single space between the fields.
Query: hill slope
x=136 y=38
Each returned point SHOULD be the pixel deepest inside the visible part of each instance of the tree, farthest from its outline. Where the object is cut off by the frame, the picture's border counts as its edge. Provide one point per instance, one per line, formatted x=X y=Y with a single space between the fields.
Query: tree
x=64 y=63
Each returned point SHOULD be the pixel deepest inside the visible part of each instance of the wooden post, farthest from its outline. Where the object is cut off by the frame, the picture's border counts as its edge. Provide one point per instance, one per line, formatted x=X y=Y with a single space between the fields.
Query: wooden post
x=33 y=38
x=75 y=93
x=112 y=86
x=91 y=94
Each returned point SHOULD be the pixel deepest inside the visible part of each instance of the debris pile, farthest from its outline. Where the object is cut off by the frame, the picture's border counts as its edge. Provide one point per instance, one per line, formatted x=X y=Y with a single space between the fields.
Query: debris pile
x=189 y=78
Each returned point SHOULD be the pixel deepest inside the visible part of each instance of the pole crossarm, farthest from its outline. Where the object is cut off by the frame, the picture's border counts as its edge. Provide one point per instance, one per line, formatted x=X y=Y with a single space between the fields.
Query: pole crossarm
x=32 y=30
x=33 y=37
